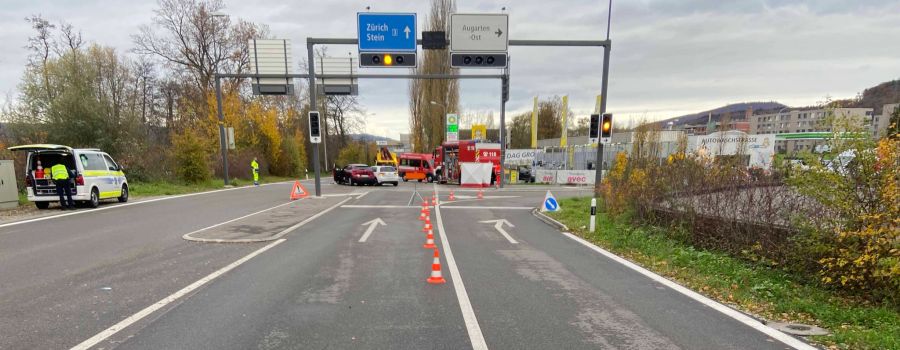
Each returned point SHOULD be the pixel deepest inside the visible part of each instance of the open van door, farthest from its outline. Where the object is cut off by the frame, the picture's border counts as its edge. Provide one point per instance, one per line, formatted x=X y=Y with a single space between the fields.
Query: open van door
x=41 y=147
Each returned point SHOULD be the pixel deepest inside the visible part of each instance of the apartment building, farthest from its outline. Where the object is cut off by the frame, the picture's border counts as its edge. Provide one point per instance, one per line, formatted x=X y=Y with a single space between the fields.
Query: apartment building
x=880 y=123
x=804 y=120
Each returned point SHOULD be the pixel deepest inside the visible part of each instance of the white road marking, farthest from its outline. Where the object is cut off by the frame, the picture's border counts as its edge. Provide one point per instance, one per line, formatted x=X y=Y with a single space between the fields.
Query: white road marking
x=105 y=334
x=187 y=236
x=740 y=317
x=277 y=235
x=498 y=224
x=113 y=206
x=477 y=207
x=475 y=335
x=372 y=224
x=377 y=206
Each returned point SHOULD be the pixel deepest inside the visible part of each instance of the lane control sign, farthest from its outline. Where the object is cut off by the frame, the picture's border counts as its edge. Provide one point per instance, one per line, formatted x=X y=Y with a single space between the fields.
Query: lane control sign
x=550 y=203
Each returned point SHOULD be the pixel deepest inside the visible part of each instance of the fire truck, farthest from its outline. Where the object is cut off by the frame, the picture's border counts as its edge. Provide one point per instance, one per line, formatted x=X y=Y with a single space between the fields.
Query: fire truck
x=449 y=155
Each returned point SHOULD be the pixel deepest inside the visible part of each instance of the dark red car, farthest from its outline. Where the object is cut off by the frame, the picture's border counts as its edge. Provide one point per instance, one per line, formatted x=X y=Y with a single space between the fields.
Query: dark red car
x=355 y=174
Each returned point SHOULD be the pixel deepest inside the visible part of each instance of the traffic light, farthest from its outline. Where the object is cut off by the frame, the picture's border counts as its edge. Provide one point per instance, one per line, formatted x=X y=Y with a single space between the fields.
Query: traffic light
x=485 y=60
x=595 y=126
x=388 y=59
x=314 y=135
x=505 y=92
x=606 y=126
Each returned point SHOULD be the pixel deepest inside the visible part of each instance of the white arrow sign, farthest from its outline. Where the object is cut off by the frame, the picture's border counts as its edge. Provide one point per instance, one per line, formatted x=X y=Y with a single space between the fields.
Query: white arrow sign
x=406 y=31
x=372 y=224
x=498 y=224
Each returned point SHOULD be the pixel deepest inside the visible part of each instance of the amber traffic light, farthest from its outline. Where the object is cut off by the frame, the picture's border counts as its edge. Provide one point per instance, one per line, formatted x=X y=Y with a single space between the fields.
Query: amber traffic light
x=606 y=126
x=387 y=59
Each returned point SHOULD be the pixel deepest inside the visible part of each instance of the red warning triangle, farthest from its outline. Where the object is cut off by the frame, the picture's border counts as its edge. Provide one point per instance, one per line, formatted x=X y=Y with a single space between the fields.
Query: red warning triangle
x=298 y=191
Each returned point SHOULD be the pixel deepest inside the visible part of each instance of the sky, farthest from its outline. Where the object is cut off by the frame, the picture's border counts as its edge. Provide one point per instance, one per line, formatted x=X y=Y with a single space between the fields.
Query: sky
x=668 y=58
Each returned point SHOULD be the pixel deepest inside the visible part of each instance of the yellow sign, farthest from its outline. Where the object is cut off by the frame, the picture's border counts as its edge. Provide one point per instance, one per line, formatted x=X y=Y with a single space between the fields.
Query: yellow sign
x=513 y=176
x=565 y=126
x=479 y=132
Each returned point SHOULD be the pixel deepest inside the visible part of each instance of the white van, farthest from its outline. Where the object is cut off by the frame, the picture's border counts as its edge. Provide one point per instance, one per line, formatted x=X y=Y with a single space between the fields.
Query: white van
x=97 y=175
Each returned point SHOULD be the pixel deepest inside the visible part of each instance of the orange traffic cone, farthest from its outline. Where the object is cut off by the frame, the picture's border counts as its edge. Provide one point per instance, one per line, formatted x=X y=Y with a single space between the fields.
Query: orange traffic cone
x=423 y=215
x=434 y=199
x=429 y=240
x=451 y=197
x=427 y=224
x=480 y=194
x=436 y=277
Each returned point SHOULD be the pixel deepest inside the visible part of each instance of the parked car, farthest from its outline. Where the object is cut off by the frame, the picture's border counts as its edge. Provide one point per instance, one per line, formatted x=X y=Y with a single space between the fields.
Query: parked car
x=95 y=176
x=386 y=175
x=525 y=174
x=355 y=174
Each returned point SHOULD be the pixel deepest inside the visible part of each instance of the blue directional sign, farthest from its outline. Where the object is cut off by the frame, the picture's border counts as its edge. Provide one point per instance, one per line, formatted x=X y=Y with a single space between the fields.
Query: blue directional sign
x=550 y=204
x=386 y=31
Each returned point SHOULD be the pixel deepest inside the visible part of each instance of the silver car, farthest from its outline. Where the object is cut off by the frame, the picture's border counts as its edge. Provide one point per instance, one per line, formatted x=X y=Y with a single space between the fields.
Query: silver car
x=386 y=174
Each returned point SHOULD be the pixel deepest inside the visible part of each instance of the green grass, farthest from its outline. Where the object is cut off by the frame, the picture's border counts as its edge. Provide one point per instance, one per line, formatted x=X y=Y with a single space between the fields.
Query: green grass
x=769 y=293
x=165 y=188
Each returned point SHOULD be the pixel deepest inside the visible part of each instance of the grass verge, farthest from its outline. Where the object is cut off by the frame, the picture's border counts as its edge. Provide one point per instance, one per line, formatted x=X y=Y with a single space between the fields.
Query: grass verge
x=769 y=293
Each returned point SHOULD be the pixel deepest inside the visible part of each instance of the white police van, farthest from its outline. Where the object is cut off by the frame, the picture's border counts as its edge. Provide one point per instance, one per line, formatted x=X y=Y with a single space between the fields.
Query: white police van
x=96 y=175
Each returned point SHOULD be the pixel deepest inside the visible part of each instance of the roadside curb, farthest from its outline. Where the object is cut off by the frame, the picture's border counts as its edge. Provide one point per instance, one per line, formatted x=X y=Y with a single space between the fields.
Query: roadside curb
x=548 y=220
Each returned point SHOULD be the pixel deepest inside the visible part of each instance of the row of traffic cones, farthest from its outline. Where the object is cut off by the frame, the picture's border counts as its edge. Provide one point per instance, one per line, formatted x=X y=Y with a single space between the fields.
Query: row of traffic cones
x=436 y=276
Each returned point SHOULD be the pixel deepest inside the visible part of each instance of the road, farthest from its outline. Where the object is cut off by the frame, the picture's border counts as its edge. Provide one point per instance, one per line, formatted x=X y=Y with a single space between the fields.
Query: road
x=145 y=277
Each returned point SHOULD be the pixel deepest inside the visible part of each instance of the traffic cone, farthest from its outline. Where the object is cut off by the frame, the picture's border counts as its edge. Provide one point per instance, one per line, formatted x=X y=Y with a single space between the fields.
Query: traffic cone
x=423 y=215
x=429 y=240
x=427 y=224
x=434 y=199
x=436 y=277
x=480 y=194
x=451 y=197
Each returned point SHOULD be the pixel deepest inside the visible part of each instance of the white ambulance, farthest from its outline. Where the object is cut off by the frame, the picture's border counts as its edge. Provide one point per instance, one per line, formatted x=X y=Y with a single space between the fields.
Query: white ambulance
x=96 y=175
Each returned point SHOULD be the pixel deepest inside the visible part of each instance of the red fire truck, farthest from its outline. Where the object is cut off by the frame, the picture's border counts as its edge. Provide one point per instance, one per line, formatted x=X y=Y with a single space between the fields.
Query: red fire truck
x=448 y=156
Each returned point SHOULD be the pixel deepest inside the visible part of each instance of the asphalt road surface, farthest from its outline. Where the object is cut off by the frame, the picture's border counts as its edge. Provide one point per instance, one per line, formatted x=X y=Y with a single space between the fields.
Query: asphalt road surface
x=326 y=273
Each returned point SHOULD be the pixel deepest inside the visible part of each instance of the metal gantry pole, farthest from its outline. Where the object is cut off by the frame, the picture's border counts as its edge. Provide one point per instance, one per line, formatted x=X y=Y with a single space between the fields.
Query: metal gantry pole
x=503 y=88
x=312 y=107
x=222 y=142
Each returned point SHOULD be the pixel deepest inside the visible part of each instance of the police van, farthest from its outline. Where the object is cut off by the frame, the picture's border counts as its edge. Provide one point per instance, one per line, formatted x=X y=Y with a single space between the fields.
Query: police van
x=93 y=174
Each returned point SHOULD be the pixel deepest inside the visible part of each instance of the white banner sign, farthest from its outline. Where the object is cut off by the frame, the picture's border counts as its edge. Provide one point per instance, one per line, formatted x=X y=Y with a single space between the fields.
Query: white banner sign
x=519 y=156
x=575 y=177
x=545 y=176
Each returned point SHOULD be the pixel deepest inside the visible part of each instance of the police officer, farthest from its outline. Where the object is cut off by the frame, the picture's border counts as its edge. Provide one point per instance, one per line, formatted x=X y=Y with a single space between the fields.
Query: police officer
x=60 y=175
x=255 y=167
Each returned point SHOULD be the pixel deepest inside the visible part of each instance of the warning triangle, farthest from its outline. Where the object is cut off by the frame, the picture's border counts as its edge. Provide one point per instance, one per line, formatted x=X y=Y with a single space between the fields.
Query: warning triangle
x=298 y=191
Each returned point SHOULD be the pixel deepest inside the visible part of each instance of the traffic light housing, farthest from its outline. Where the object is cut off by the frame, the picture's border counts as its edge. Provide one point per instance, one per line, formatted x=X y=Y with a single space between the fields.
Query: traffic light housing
x=314 y=134
x=387 y=59
x=478 y=60
x=595 y=126
x=606 y=126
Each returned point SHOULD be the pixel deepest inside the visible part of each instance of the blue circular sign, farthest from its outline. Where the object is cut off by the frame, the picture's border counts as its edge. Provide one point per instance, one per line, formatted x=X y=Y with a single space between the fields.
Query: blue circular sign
x=550 y=204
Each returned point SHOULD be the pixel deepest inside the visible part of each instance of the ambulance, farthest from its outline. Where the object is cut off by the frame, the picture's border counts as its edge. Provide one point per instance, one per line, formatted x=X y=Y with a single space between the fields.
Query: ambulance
x=96 y=175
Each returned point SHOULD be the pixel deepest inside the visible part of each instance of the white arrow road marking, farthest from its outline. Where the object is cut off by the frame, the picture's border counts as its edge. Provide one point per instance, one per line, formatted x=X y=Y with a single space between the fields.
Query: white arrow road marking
x=498 y=224
x=372 y=224
x=406 y=30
